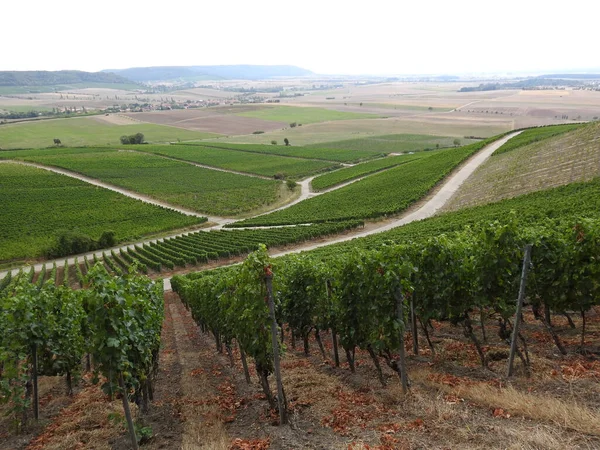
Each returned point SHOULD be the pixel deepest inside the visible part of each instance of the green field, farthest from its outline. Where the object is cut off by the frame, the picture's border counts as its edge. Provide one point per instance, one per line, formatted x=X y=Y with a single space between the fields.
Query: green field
x=341 y=155
x=378 y=195
x=36 y=205
x=395 y=143
x=349 y=173
x=81 y=131
x=260 y=164
x=302 y=115
x=179 y=183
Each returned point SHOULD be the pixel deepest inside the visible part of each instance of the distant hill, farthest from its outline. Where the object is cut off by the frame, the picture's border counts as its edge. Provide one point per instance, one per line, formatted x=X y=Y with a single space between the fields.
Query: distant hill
x=196 y=73
x=60 y=77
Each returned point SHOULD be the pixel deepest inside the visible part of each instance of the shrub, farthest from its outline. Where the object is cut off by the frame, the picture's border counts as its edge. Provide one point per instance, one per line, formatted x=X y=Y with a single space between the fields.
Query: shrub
x=137 y=138
x=273 y=142
x=258 y=132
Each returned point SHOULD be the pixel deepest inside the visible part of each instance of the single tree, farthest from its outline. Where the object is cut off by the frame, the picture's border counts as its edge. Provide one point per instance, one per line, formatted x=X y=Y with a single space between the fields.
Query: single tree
x=456 y=142
x=57 y=142
x=286 y=141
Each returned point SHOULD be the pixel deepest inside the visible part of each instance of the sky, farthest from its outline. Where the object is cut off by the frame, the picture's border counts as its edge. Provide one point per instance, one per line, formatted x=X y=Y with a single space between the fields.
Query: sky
x=326 y=36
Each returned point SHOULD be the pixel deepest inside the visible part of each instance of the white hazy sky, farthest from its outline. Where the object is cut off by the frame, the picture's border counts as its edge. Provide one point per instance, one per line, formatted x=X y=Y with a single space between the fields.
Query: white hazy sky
x=326 y=36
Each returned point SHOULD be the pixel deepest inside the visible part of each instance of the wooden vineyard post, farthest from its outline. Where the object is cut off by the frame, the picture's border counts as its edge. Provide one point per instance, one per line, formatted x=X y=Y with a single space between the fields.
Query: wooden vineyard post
x=413 y=326
x=128 y=412
x=336 y=355
x=400 y=312
x=34 y=375
x=515 y=334
x=276 y=363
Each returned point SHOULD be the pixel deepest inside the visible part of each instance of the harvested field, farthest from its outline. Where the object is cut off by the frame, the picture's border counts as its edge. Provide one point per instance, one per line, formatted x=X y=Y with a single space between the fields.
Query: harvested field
x=208 y=120
x=353 y=129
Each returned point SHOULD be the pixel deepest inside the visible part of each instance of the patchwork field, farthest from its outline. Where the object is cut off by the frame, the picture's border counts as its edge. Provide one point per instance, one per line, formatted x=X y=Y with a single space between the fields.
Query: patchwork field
x=37 y=205
x=302 y=115
x=90 y=130
x=222 y=120
x=204 y=190
x=340 y=130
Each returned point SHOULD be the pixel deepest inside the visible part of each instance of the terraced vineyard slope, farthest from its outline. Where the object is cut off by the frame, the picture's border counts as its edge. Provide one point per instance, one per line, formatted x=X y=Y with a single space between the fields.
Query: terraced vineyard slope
x=574 y=156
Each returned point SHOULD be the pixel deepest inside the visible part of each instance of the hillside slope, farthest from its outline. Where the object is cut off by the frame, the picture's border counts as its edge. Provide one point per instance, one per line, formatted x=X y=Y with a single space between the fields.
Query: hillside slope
x=241 y=72
x=565 y=159
x=49 y=78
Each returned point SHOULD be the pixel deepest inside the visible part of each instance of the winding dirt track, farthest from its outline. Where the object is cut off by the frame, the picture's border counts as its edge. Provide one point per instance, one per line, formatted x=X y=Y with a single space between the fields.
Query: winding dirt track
x=422 y=210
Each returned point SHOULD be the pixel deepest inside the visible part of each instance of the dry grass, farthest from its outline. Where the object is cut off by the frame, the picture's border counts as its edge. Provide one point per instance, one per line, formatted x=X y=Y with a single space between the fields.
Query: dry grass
x=84 y=424
x=550 y=163
x=203 y=427
x=568 y=416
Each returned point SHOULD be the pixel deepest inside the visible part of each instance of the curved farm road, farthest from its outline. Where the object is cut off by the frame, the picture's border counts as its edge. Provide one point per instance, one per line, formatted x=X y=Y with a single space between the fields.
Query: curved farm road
x=422 y=210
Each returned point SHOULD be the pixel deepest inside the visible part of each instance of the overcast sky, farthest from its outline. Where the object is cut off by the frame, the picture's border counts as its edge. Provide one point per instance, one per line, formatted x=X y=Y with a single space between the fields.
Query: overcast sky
x=326 y=36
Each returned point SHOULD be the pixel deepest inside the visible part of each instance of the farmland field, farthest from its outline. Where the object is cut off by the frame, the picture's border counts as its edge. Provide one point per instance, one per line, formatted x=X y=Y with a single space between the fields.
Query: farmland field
x=36 y=205
x=204 y=190
x=349 y=173
x=260 y=164
x=395 y=143
x=302 y=115
x=80 y=131
x=341 y=155
x=218 y=120
x=340 y=130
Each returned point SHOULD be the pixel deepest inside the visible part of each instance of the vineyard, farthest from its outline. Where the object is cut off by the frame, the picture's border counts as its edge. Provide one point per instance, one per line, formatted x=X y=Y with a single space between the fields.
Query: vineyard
x=49 y=330
x=190 y=249
x=356 y=294
x=562 y=203
x=386 y=193
x=204 y=190
x=365 y=302
x=44 y=203
x=259 y=164
x=350 y=173
x=338 y=155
